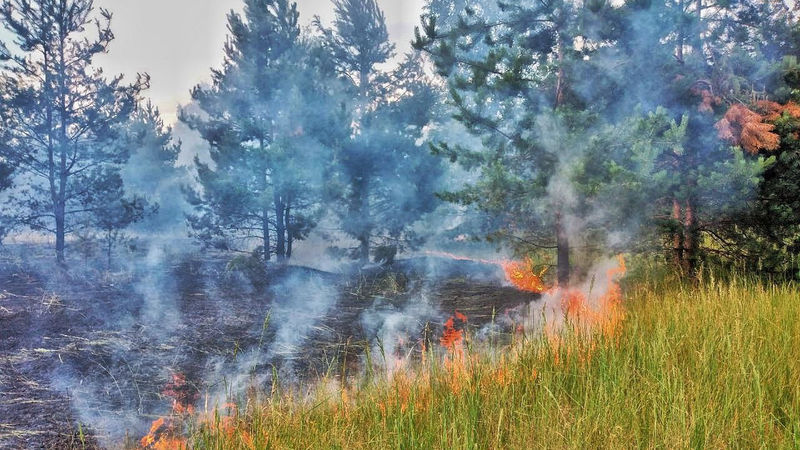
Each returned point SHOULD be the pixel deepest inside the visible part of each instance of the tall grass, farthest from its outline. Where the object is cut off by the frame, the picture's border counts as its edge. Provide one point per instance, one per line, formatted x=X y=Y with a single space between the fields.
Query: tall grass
x=711 y=366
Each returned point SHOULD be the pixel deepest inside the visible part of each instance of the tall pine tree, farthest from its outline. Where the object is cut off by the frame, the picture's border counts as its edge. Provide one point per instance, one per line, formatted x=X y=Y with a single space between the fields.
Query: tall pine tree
x=387 y=177
x=152 y=169
x=523 y=78
x=269 y=117
x=6 y=170
x=67 y=117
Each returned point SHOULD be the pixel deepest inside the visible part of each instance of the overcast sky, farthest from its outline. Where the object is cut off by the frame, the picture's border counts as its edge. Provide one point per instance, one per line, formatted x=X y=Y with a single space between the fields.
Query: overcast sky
x=178 y=41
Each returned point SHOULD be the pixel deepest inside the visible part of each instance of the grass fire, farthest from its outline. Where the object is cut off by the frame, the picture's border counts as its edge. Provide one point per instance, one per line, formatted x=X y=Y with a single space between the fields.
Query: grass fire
x=269 y=224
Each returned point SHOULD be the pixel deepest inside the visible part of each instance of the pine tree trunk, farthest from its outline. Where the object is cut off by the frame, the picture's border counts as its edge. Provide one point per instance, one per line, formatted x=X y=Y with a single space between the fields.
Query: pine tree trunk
x=359 y=213
x=361 y=186
x=61 y=215
x=265 y=240
x=562 y=250
x=61 y=210
x=690 y=241
x=363 y=216
x=60 y=233
x=677 y=236
x=265 y=234
x=562 y=236
x=559 y=100
x=681 y=37
x=280 y=228
x=289 y=234
x=109 y=247
x=363 y=249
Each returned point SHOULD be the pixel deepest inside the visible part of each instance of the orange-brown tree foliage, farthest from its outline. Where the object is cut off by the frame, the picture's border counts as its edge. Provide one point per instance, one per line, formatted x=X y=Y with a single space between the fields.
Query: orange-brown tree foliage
x=751 y=129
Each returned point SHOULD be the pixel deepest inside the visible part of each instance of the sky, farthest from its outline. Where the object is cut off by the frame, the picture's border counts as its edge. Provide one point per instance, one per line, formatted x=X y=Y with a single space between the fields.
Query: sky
x=178 y=41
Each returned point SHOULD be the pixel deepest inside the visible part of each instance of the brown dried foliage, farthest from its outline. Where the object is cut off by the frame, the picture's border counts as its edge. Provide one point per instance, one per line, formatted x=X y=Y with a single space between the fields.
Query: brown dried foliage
x=742 y=126
x=773 y=111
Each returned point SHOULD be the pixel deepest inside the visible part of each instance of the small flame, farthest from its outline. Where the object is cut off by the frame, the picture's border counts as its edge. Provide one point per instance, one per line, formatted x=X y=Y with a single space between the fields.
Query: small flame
x=604 y=316
x=182 y=398
x=182 y=394
x=453 y=337
x=150 y=439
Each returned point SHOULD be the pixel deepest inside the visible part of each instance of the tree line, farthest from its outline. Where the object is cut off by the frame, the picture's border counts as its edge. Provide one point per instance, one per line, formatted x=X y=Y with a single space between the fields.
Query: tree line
x=644 y=125
x=299 y=125
x=558 y=128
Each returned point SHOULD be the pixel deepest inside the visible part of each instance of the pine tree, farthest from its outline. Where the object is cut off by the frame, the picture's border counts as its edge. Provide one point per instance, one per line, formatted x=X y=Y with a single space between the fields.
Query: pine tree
x=152 y=170
x=6 y=170
x=709 y=56
x=269 y=117
x=388 y=179
x=113 y=211
x=359 y=42
x=519 y=79
x=67 y=117
x=766 y=237
x=6 y=143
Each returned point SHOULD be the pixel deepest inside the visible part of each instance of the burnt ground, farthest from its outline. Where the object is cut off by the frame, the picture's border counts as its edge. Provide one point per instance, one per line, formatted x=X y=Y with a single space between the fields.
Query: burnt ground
x=87 y=356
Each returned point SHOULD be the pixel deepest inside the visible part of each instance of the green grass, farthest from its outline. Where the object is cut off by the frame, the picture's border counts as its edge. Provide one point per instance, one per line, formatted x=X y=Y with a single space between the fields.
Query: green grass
x=708 y=367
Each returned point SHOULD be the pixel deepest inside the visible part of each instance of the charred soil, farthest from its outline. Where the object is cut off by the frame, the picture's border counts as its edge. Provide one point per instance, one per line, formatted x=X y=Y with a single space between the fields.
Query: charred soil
x=89 y=356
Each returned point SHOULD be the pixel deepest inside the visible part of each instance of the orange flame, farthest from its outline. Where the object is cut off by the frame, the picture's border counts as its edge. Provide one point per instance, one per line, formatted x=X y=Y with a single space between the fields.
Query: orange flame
x=150 y=439
x=170 y=443
x=453 y=337
x=601 y=317
x=519 y=274
x=181 y=393
x=182 y=398
x=606 y=316
x=522 y=277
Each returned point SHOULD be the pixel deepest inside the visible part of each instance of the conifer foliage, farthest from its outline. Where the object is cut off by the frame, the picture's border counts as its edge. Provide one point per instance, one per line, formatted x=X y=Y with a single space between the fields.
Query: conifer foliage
x=66 y=119
x=386 y=176
x=577 y=103
x=571 y=127
x=270 y=117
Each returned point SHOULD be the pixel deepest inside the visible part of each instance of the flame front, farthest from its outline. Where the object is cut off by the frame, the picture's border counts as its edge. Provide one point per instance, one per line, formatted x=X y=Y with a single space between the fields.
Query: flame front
x=150 y=438
x=591 y=315
x=166 y=428
x=520 y=275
